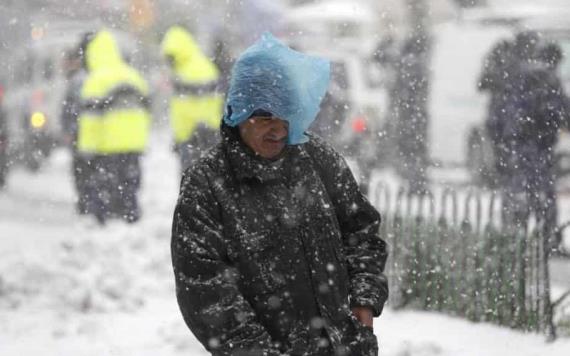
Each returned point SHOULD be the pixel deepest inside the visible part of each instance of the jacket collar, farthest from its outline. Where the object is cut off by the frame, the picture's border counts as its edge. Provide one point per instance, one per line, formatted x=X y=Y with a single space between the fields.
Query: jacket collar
x=247 y=165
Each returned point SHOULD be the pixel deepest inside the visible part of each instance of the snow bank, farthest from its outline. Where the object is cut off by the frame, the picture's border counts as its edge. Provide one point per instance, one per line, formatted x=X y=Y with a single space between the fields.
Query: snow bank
x=100 y=270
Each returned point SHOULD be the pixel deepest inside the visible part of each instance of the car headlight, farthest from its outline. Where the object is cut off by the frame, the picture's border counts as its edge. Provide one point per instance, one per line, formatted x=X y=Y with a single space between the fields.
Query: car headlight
x=38 y=120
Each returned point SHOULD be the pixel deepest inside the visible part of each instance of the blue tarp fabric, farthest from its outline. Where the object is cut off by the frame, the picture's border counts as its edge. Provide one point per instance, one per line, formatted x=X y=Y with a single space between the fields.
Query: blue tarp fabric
x=271 y=76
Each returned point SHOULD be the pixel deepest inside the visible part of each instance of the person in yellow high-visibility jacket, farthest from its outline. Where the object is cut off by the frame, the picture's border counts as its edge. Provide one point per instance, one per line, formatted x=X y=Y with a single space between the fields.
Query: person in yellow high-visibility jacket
x=196 y=105
x=113 y=128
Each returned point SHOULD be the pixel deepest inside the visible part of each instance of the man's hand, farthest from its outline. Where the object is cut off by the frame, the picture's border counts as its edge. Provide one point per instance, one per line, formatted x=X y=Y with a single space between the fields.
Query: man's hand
x=364 y=315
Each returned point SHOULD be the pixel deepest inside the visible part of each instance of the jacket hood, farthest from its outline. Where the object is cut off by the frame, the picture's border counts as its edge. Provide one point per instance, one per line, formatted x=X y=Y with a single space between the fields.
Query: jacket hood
x=183 y=48
x=272 y=77
x=103 y=52
x=107 y=69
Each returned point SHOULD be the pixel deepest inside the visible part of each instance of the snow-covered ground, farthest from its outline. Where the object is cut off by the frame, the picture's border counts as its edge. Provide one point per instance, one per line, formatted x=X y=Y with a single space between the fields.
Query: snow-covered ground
x=68 y=287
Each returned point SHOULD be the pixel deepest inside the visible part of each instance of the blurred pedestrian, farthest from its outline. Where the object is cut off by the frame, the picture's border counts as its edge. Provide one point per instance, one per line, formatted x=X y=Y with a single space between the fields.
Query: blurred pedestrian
x=524 y=125
x=75 y=72
x=113 y=129
x=196 y=104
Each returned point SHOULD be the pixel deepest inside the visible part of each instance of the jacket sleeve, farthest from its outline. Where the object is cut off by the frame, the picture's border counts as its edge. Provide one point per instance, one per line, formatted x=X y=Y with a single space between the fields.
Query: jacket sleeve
x=359 y=221
x=206 y=288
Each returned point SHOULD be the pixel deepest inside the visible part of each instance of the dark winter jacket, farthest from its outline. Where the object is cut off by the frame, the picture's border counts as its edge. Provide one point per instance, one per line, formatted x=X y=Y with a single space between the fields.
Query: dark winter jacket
x=269 y=257
x=538 y=110
x=527 y=108
x=527 y=99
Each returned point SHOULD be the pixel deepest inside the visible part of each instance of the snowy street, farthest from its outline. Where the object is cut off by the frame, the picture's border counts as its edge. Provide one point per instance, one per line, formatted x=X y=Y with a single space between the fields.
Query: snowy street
x=68 y=287
x=453 y=116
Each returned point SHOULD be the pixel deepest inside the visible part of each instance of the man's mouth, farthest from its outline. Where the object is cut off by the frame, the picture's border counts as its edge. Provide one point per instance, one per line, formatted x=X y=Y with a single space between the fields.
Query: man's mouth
x=275 y=141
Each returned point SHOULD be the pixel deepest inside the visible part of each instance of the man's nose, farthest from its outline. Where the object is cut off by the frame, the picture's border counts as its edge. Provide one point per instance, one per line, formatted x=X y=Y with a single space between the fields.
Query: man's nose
x=279 y=129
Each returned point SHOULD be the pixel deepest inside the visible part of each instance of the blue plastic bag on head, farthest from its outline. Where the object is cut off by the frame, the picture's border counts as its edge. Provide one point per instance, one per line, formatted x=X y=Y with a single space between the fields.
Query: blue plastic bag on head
x=272 y=77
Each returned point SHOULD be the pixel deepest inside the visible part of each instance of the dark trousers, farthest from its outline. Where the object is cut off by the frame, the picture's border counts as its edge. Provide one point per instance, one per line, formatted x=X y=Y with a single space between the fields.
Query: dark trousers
x=83 y=169
x=519 y=206
x=113 y=191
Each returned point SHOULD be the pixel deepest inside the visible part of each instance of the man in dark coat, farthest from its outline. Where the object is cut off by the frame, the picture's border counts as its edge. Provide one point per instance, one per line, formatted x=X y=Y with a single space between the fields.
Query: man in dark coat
x=275 y=249
x=537 y=110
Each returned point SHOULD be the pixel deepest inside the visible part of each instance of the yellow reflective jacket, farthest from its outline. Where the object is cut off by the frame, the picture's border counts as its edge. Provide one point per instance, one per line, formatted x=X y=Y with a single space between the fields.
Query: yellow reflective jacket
x=194 y=78
x=115 y=118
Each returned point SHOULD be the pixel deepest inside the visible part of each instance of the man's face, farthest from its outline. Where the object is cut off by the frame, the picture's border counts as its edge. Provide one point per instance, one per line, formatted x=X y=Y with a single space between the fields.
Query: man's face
x=266 y=136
